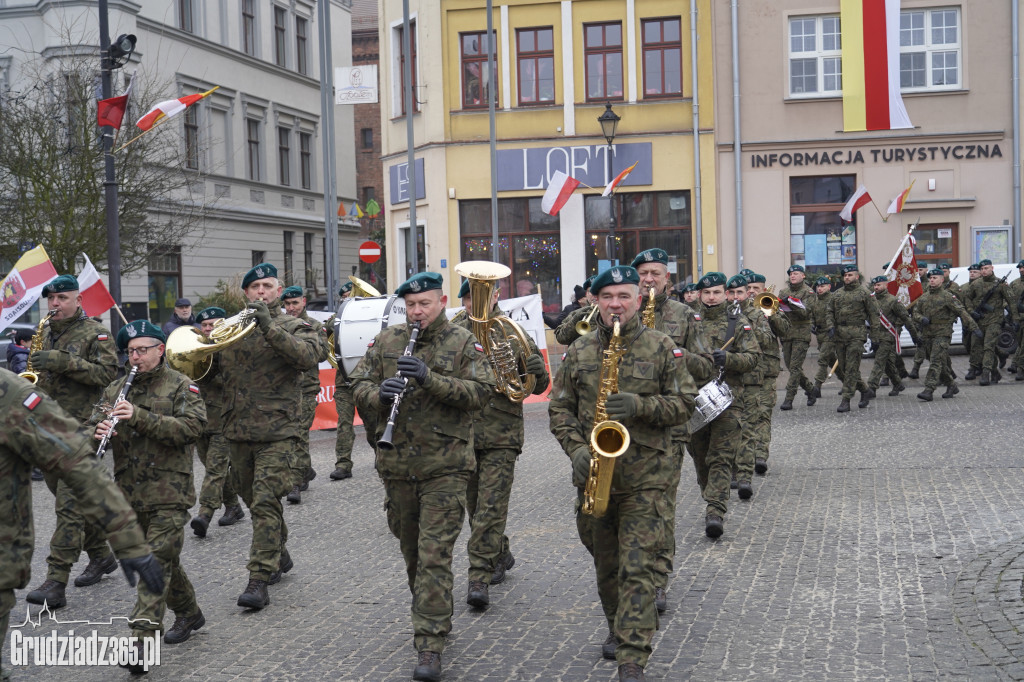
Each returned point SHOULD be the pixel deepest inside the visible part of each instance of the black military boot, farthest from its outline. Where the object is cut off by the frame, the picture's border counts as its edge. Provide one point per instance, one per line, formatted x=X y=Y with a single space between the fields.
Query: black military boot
x=787 y=404
x=478 y=596
x=51 y=593
x=746 y=491
x=660 y=599
x=310 y=475
x=505 y=563
x=996 y=376
x=340 y=474
x=897 y=389
x=986 y=378
x=95 y=571
x=137 y=668
x=865 y=397
x=200 y=524
x=926 y=395
x=631 y=672
x=295 y=496
x=733 y=484
x=914 y=373
x=713 y=526
x=231 y=515
x=884 y=381
x=811 y=398
x=972 y=374
x=183 y=627
x=37 y=474
x=284 y=565
x=951 y=391
x=608 y=648
x=1020 y=376
x=428 y=667
x=255 y=595
x=760 y=466
x=844 y=405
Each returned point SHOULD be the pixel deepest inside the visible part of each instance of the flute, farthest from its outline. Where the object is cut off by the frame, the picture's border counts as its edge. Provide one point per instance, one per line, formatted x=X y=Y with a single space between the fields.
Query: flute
x=385 y=440
x=101 y=450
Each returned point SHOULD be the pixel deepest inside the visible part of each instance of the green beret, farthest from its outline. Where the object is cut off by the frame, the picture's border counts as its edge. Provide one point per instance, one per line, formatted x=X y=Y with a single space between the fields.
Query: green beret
x=746 y=272
x=936 y=271
x=651 y=256
x=211 y=313
x=974 y=266
x=61 y=284
x=345 y=288
x=922 y=265
x=587 y=282
x=755 y=278
x=464 y=289
x=261 y=271
x=139 y=329
x=984 y=261
x=795 y=268
x=292 y=292
x=1020 y=264
x=849 y=268
x=736 y=281
x=711 y=279
x=822 y=281
x=691 y=287
x=420 y=282
x=945 y=266
x=620 y=274
x=879 y=278
x=885 y=267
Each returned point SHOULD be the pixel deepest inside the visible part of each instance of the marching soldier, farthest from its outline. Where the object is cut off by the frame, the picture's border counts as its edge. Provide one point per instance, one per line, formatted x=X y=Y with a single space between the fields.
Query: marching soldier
x=426 y=471
x=213 y=449
x=715 y=446
x=850 y=314
x=898 y=317
x=937 y=309
x=346 y=407
x=32 y=425
x=975 y=350
x=161 y=416
x=263 y=379
x=798 y=340
x=1017 y=296
x=655 y=393
x=294 y=301
x=948 y=284
x=826 y=347
x=989 y=298
x=566 y=332
x=76 y=363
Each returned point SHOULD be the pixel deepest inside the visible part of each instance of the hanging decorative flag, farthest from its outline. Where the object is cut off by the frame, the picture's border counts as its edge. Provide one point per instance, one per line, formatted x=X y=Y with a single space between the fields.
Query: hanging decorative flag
x=618 y=179
x=355 y=211
x=23 y=284
x=871 y=65
x=96 y=299
x=110 y=111
x=859 y=198
x=897 y=204
x=372 y=208
x=558 y=192
x=169 y=108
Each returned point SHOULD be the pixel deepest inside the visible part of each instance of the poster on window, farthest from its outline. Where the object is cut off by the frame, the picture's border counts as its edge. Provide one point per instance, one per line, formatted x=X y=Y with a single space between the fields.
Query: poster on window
x=816 y=249
x=835 y=254
x=849 y=254
x=796 y=243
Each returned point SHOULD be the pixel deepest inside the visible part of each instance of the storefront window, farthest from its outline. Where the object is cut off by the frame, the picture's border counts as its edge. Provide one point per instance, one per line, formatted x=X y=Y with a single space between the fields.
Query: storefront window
x=817 y=238
x=937 y=244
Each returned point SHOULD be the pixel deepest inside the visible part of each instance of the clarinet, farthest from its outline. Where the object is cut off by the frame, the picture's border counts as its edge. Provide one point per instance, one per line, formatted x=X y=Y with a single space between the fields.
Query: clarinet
x=102 y=449
x=385 y=440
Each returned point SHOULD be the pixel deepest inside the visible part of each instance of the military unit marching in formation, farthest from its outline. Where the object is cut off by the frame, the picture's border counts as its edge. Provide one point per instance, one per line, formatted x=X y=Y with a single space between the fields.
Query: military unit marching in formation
x=645 y=379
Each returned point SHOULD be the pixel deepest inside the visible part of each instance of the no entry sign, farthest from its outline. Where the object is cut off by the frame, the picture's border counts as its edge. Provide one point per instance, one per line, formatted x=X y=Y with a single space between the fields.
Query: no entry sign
x=369 y=252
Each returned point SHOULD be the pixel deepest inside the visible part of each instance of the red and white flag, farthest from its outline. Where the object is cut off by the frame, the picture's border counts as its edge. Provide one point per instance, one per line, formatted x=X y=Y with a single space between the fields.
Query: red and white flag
x=870 y=31
x=897 y=204
x=23 y=284
x=884 y=321
x=558 y=192
x=110 y=111
x=905 y=285
x=169 y=108
x=859 y=198
x=96 y=299
x=617 y=180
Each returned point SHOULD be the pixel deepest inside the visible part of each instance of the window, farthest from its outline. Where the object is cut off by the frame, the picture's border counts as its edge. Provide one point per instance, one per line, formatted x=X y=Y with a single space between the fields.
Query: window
x=164 y=283
x=400 y=33
x=280 y=36
x=818 y=239
x=663 y=57
x=937 y=243
x=284 y=156
x=252 y=132
x=186 y=16
x=249 y=27
x=368 y=193
x=305 y=160
x=536 y=65
x=302 y=45
x=192 y=137
x=258 y=257
x=815 y=60
x=643 y=220
x=602 y=46
x=307 y=242
x=930 y=49
x=475 y=78
x=366 y=134
x=289 y=258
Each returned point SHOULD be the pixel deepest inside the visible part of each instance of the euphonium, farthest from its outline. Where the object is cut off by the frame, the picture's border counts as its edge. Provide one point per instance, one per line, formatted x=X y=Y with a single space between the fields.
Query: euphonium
x=34 y=346
x=361 y=289
x=768 y=302
x=647 y=316
x=608 y=439
x=583 y=327
x=504 y=341
x=191 y=353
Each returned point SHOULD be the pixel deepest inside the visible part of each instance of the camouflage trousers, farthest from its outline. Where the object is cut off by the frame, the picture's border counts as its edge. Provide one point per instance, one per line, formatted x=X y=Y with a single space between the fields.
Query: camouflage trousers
x=714 y=450
x=1018 y=357
x=217 y=486
x=165 y=534
x=666 y=552
x=756 y=405
x=940 y=369
x=989 y=357
x=262 y=476
x=487 y=495
x=885 y=363
x=849 y=349
x=826 y=358
x=921 y=354
x=346 y=406
x=794 y=352
x=426 y=517
x=624 y=544
x=71 y=534
x=7 y=602
x=301 y=462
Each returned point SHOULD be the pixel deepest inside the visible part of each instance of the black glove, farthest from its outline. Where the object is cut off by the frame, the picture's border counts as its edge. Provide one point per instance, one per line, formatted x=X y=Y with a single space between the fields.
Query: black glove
x=831 y=332
x=535 y=365
x=718 y=357
x=621 y=406
x=814 y=329
x=916 y=339
x=50 y=360
x=975 y=315
x=147 y=568
x=261 y=313
x=925 y=321
x=581 y=467
x=411 y=367
x=390 y=389
x=978 y=334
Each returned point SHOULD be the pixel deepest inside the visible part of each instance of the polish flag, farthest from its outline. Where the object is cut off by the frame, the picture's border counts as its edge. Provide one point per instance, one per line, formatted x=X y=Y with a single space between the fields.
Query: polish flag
x=96 y=300
x=558 y=192
x=169 y=108
x=618 y=179
x=859 y=198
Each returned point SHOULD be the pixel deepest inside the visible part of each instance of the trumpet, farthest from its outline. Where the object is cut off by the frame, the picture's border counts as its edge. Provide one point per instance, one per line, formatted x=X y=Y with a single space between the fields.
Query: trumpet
x=584 y=327
x=34 y=346
x=768 y=302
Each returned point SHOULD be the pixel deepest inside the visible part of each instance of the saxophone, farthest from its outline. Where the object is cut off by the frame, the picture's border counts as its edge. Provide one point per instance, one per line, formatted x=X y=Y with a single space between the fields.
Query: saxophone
x=647 y=316
x=34 y=346
x=608 y=439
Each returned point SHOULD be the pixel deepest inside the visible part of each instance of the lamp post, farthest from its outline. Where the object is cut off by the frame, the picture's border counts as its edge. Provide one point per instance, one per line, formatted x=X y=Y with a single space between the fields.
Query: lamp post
x=609 y=121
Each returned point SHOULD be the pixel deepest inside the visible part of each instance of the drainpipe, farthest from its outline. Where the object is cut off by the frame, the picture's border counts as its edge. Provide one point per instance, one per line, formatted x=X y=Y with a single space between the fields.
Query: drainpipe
x=696 y=141
x=1015 y=31
x=736 y=136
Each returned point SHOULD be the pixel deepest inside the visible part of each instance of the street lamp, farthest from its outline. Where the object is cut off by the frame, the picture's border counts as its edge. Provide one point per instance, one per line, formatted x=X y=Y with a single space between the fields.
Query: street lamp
x=609 y=121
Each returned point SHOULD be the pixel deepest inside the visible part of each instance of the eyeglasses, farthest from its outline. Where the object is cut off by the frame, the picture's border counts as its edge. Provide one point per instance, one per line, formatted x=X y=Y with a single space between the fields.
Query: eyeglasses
x=142 y=350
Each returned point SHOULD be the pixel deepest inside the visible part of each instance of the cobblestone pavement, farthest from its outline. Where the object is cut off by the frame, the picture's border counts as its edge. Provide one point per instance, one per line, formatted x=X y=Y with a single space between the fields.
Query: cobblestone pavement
x=887 y=543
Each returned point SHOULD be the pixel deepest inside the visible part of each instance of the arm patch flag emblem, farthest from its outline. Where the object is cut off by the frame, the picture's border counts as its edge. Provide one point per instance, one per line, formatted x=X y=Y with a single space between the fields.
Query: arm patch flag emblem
x=32 y=401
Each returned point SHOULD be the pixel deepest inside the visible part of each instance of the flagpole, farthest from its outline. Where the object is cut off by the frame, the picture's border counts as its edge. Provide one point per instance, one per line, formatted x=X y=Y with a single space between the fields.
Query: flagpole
x=118 y=309
x=156 y=125
x=892 y=260
x=884 y=218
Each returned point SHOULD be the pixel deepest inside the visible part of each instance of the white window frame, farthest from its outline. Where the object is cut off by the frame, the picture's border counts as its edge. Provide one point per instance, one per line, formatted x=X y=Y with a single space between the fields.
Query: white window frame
x=820 y=56
x=930 y=49
x=396 y=66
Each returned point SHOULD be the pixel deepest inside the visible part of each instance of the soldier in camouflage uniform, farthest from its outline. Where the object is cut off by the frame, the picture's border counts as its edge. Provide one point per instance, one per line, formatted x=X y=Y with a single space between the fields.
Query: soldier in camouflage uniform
x=161 y=416
x=716 y=446
x=885 y=343
x=655 y=393
x=798 y=340
x=990 y=298
x=566 y=332
x=948 y=284
x=345 y=404
x=757 y=432
x=1017 y=296
x=213 y=449
x=294 y=301
x=826 y=347
x=77 y=361
x=37 y=432
x=936 y=310
x=850 y=314
x=975 y=350
x=498 y=437
x=263 y=379
x=426 y=470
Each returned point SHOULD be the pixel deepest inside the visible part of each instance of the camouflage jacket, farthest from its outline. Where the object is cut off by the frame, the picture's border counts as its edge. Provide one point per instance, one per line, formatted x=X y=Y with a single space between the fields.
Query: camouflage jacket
x=566 y=332
x=1017 y=296
x=37 y=432
x=311 y=377
x=941 y=308
x=212 y=386
x=91 y=363
x=433 y=434
x=153 y=449
x=992 y=309
x=896 y=313
x=743 y=353
x=651 y=369
x=500 y=423
x=852 y=312
x=263 y=375
x=767 y=331
x=675 y=319
x=950 y=286
x=800 y=318
x=819 y=318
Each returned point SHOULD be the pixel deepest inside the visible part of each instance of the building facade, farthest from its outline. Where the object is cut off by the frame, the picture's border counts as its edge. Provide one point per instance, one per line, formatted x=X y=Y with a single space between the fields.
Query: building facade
x=558 y=65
